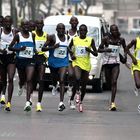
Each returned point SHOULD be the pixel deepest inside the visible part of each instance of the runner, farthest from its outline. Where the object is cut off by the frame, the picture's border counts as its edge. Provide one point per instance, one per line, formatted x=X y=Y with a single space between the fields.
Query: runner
x=22 y=80
x=110 y=46
x=82 y=47
x=7 y=59
x=135 y=43
x=25 y=48
x=40 y=59
x=58 y=58
x=72 y=32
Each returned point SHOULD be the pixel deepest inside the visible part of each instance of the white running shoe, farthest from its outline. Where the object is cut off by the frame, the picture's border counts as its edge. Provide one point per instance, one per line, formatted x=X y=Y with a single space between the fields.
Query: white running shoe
x=72 y=105
x=2 y=100
x=20 y=91
x=61 y=106
x=69 y=91
x=139 y=108
x=77 y=99
x=137 y=91
x=27 y=106
x=54 y=90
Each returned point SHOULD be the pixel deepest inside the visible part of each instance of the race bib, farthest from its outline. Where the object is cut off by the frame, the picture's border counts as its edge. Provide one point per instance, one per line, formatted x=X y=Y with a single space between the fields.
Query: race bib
x=27 y=53
x=4 y=45
x=81 y=51
x=60 y=52
x=39 y=45
x=115 y=50
x=138 y=55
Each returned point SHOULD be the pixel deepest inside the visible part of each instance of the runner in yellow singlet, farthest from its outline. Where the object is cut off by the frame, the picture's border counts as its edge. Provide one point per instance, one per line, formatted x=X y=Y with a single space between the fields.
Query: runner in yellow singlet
x=40 y=59
x=81 y=46
x=135 y=63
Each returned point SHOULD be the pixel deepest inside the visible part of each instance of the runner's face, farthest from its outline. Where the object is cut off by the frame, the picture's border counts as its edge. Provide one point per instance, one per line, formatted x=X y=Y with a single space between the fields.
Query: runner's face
x=114 y=31
x=61 y=29
x=74 y=22
x=26 y=26
x=83 y=31
x=7 y=23
x=39 y=25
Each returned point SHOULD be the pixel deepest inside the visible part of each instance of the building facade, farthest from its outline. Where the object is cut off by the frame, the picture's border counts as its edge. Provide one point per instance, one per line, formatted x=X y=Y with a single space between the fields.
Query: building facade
x=124 y=13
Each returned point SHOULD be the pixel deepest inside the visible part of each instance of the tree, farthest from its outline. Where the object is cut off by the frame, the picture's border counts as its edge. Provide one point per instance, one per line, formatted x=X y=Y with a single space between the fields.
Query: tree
x=48 y=6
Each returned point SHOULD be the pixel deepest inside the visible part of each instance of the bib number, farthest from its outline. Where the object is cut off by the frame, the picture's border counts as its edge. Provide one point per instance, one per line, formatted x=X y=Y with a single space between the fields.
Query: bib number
x=81 y=51
x=27 y=53
x=39 y=45
x=60 y=52
x=115 y=50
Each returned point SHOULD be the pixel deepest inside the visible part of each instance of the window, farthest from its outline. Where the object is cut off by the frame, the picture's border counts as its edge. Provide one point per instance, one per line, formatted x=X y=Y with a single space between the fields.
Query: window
x=136 y=23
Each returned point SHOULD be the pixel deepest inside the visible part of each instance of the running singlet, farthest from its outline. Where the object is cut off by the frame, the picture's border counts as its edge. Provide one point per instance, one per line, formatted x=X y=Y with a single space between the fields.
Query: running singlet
x=82 y=56
x=112 y=57
x=137 y=55
x=6 y=40
x=28 y=42
x=70 y=38
x=59 y=57
x=39 y=41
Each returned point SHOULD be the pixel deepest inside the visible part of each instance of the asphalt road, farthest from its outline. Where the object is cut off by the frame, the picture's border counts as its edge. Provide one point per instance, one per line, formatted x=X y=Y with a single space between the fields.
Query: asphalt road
x=95 y=123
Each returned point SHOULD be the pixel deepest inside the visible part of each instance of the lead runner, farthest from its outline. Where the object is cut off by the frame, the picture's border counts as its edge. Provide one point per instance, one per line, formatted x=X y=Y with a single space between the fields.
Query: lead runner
x=24 y=42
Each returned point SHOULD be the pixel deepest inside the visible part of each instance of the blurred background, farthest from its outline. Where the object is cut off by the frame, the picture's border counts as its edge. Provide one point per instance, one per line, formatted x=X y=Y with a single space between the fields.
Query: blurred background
x=124 y=13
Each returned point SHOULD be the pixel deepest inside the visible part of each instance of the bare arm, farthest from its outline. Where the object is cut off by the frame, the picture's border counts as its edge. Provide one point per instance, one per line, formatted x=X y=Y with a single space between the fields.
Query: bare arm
x=94 y=50
x=51 y=43
x=70 y=50
x=130 y=45
x=102 y=47
x=14 y=41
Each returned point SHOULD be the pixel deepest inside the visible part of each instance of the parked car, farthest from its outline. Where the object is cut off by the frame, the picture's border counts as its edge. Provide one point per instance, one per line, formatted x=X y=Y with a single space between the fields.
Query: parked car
x=97 y=28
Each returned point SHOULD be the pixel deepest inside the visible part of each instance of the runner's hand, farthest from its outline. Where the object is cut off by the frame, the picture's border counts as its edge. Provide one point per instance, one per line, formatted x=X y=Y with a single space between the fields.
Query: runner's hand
x=108 y=50
x=73 y=57
x=22 y=48
x=134 y=61
x=56 y=46
x=87 y=49
x=4 y=51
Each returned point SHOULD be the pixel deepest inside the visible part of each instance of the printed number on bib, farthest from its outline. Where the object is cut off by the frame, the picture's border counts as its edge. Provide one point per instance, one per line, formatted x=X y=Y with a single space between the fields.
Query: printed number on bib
x=39 y=45
x=81 y=51
x=115 y=50
x=27 y=53
x=60 y=52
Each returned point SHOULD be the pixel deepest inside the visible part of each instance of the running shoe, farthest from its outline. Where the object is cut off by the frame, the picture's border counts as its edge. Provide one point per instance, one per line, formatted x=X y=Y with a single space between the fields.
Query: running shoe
x=69 y=91
x=72 y=105
x=61 y=106
x=54 y=90
x=113 y=107
x=2 y=100
x=38 y=107
x=139 y=108
x=77 y=98
x=80 y=107
x=27 y=106
x=20 y=91
x=136 y=91
x=8 y=106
